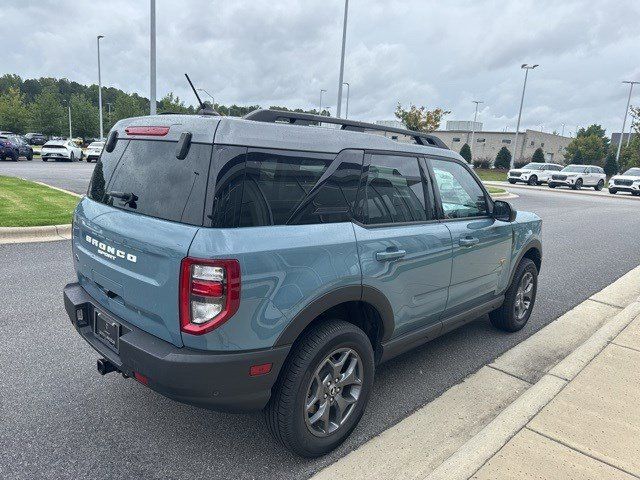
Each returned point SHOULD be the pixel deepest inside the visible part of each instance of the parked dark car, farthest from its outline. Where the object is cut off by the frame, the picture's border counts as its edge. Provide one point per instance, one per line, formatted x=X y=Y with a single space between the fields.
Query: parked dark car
x=36 y=138
x=16 y=146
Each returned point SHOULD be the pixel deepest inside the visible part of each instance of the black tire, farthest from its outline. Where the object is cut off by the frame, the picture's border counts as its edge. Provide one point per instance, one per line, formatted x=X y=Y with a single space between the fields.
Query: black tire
x=30 y=156
x=613 y=191
x=45 y=159
x=285 y=414
x=599 y=186
x=15 y=157
x=635 y=194
x=72 y=157
x=512 y=182
x=533 y=180
x=552 y=185
x=505 y=317
x=577 y=185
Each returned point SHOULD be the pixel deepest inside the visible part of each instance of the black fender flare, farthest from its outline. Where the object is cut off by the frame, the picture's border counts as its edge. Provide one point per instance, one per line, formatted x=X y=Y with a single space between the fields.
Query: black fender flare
x=349 y=293
x=534 y=244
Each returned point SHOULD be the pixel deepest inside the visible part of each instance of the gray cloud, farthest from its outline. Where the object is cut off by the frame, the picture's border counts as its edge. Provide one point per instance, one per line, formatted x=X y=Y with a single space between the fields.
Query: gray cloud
x=283 y=52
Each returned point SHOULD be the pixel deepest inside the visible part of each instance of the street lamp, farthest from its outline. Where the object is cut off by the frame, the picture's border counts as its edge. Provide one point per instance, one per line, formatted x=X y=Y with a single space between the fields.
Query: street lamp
x=321 y=92
x=100 y=90
x=526 y=69
x=630 y=129
x=348 y=88
x=69 y=109
x=473 y=126
x=563 y=129
x=624 y=122
x=213 y=101
x=152 y=59
x=344 y=41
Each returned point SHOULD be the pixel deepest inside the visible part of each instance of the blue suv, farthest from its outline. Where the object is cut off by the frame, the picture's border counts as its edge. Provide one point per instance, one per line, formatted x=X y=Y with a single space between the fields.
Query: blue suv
x=271 y=263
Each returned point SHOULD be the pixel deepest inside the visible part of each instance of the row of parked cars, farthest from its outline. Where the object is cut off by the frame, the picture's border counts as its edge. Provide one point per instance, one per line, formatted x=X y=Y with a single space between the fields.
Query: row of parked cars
x=13 y=146
x=576 y=177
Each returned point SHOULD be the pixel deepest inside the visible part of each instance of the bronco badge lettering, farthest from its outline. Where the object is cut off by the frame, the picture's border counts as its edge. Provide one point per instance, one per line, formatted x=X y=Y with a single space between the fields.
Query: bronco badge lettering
x=110 y=252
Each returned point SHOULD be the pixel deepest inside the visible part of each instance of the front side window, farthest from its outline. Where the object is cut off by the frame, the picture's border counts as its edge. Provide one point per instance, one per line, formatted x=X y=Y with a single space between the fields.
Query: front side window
x=460 y=194
x=534 y=166
x=392 y=191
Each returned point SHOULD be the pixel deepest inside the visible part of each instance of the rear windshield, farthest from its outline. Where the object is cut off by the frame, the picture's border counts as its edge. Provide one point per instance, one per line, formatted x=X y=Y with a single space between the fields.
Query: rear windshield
x=145 y=177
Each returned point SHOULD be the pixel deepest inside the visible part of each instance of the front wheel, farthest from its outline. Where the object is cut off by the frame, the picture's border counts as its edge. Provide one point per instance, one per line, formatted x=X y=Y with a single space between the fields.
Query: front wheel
x=519 y=298
x=533 y=180
x=30 y=156
x=599 y=186
x=577 y=185
x=613 y=191
x=72 y=157
x=512 y=182
x=322 y=390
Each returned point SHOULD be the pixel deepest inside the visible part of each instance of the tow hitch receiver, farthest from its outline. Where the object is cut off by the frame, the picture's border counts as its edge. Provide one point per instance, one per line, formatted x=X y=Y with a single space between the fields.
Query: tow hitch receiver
x=105 y=366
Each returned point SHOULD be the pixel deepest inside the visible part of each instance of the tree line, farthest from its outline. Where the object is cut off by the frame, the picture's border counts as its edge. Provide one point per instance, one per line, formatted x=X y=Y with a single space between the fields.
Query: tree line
x=41 y=105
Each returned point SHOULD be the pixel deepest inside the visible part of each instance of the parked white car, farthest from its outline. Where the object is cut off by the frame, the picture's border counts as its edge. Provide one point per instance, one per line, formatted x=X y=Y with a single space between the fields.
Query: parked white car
x=94 y=150
x=629 y=181
x=533 y=173
x=578 y=176
x=61 y=150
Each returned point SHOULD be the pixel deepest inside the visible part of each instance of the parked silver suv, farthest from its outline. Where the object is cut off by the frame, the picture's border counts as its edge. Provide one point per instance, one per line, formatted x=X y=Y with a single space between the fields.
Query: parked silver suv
x=533 y=173
x=629 y=181
x=578 y=176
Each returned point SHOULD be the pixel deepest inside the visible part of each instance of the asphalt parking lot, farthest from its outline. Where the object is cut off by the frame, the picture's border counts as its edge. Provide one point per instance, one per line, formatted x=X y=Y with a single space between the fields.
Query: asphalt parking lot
x=72 y=176
x=60 y=419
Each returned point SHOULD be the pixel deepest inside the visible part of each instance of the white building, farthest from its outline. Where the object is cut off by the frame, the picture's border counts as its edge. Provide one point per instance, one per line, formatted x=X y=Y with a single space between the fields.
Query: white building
x=464 y=125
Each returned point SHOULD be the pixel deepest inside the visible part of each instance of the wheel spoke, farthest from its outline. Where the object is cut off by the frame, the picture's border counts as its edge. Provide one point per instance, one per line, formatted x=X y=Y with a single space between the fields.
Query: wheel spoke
x=338 y=364
x=322 y=415
x=341 y=405
x=317 y=394
x=350 y=376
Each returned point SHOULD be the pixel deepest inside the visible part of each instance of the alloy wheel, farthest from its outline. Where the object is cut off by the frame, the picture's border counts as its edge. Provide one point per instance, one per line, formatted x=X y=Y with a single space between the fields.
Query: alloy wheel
x=524 y=296
x=333 y=391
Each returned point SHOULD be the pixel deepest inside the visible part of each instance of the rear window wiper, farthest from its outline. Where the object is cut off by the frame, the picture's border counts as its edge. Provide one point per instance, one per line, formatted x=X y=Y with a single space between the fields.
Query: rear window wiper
x=127 y=198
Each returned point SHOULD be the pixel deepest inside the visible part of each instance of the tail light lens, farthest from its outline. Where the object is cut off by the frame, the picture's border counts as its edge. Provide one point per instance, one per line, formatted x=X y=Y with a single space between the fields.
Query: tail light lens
x=209 y=293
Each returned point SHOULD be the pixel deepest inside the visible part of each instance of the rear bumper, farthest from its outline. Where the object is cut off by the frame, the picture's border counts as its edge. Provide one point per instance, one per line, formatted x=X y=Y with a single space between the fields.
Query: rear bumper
x=213 y=380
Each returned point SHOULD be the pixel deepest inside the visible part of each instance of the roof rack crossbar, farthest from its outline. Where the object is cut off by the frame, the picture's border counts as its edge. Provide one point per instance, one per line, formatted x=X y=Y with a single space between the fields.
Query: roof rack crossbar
x=297 y=118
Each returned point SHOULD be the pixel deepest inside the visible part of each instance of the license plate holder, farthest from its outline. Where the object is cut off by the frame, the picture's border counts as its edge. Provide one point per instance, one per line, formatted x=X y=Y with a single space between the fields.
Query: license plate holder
x=107 y=330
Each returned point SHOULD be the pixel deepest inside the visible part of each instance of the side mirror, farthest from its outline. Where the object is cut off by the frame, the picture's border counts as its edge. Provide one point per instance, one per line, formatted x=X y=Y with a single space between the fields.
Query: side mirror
x=502 y=211
x=111 y=141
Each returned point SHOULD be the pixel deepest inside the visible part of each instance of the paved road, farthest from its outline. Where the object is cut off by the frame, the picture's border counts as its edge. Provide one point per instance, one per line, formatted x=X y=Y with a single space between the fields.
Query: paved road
x=69 y=176
x=60 y=419
x=518 y=187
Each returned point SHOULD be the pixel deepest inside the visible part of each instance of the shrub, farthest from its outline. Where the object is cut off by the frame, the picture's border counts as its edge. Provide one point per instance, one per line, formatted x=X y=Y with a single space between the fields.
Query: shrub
x=465 y=152
x=484 y=163
x=611 y=166
x=538 y=156
x=503 y=159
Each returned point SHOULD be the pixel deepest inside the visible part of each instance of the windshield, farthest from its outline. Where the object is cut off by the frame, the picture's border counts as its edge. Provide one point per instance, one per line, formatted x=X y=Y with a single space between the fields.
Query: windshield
x=633 y=172
x=534 y=166
x=96 y=145
x=573 y=169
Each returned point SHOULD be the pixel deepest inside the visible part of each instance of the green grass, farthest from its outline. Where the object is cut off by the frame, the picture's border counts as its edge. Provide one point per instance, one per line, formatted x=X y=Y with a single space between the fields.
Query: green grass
x=494 y=190
x=28 y=204
x=491 y=175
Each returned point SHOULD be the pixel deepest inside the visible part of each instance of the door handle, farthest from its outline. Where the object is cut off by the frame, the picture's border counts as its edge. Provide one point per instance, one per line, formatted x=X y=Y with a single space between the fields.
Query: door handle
x=468 y=241
x=388 y=255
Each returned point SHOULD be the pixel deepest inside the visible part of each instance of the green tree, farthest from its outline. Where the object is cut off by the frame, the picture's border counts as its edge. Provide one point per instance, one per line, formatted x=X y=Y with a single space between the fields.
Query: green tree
x=610 y=165
x=14 y=115
x=589 y=150
x=47 y=114
x=595 y=130
x=126 y=106
x=173 y=104
x=503 y=159
x=538 y=156
x=419 y=119
x=465 y=152
x=84 y=117
x=630 y=156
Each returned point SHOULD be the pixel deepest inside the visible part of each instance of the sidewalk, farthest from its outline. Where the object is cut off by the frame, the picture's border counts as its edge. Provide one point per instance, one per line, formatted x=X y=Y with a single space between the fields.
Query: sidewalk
x=590 y=430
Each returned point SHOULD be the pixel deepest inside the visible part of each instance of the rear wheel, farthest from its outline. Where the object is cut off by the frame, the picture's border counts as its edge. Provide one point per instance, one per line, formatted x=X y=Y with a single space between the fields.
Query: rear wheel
x=635 y=193
x=599 y=186
x=519 y=298
x=322 y=390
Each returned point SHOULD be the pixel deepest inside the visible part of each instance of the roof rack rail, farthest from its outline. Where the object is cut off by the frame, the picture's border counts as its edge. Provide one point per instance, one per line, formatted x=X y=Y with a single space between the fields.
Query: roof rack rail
x=297 y=118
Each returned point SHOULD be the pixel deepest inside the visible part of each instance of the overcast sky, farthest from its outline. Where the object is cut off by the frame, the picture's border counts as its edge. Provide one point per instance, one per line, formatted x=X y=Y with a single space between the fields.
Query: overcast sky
x=282 y=52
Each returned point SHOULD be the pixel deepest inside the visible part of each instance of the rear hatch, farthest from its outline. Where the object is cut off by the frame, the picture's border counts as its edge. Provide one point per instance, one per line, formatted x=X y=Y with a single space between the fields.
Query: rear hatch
x=142 y=210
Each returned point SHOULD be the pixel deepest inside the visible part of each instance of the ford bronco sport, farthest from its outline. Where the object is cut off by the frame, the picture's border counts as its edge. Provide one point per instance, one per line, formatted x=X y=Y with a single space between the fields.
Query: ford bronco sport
x=269 y=263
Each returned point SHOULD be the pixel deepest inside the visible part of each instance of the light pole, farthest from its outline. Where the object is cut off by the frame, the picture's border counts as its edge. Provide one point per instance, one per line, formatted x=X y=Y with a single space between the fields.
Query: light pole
x=473 y=126
x=563 y=129
x=321 y=92
x=624 y=122
x=344 y=42
x=213 y=100
x=100 y=90
x=152 y=59
x=346 y=113
x=630 y=129
x=109 y=111
x=526 y=69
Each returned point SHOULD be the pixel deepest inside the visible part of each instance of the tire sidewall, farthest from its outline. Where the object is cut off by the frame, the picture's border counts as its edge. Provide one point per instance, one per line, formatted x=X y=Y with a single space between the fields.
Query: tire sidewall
x=306 y=440
x=530 y=267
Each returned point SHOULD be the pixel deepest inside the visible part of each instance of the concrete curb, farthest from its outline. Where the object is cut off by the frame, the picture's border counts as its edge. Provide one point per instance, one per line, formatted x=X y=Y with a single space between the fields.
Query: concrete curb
x=455 y=434
x=555 y=190
x=49 y=233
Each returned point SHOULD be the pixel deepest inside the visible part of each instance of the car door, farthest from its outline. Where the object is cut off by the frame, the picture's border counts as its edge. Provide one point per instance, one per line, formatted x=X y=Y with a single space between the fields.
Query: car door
x=404 y=251
x=481 y=244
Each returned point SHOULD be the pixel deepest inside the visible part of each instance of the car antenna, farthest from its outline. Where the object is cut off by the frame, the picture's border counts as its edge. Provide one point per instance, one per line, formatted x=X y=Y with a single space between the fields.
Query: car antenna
x=204 y=109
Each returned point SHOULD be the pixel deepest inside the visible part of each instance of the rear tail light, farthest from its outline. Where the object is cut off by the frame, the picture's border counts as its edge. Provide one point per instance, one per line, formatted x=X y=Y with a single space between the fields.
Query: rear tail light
x=148 y=131
x=209 y=293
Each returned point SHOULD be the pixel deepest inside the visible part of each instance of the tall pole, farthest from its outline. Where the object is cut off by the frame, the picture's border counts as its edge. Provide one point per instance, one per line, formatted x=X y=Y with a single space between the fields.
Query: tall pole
x=70 y=134
x=526 y=69
x=630 y=129
x=100 y=90
x=344 y=41
x=346 y=115
x=152 y=60
x=562 y=130
x=321 y=92
x=473 y=126
x=624 y=122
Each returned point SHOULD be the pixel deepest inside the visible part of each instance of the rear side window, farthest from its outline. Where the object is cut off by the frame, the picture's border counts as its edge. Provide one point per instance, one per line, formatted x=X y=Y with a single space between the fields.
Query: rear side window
x=276 y=182
x=393 y=191
x=145 y=177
